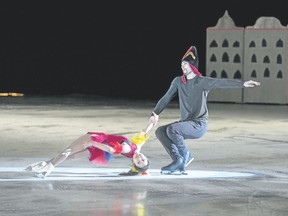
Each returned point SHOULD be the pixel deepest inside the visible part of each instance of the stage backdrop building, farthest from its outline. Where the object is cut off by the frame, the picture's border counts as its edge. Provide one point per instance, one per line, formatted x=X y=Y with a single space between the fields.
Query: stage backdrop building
x=256 y=52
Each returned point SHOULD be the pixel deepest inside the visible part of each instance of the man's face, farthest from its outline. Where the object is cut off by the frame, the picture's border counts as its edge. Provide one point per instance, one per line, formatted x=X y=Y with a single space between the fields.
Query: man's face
x=186 y=68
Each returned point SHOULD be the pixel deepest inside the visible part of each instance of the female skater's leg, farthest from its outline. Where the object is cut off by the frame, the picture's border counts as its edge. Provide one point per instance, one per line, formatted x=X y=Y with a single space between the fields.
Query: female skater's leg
x=73 y=149
x=45 y=167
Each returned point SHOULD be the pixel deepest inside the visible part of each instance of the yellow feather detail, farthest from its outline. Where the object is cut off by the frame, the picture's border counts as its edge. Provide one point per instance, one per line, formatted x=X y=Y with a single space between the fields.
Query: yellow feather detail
x=133 y=169
x=139 y=139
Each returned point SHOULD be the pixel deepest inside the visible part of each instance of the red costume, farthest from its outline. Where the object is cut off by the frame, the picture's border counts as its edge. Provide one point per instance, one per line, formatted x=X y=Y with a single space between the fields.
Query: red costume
x=101 y=157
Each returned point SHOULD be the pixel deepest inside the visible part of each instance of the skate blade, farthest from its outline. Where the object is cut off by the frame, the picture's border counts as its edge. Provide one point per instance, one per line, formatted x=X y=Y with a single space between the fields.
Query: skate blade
x=187 y=164
x=177 y=172
x=35 y=166
x=40 y=175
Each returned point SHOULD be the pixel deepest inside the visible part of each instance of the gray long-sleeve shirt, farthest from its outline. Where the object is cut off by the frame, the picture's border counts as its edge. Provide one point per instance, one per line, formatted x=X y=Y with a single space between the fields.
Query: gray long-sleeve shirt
x=193 y=95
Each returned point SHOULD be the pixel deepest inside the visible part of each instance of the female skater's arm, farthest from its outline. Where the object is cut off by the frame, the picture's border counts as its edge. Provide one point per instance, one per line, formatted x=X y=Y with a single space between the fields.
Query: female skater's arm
x=101 y=146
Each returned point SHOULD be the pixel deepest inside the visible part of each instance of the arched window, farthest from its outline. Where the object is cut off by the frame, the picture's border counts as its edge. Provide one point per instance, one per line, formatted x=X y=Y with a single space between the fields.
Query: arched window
x=253 y=58
x=264 y=43
x=213 y=44
x=236 y=44
x=266 y=59
x=279 y=43
x=213 y=58
x=213 y=74
x=266 y=73
x=279 y=59
x=237 y=75
x=225 y=43
x=279 y=74
x=237 y=58
x=253 y=74
x=252 y=44
x=225 y=57
x=224 y=74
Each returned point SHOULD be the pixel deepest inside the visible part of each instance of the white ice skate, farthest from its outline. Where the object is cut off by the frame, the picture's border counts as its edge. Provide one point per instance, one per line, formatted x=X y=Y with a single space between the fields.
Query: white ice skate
x=35 y=166
x=44 y=171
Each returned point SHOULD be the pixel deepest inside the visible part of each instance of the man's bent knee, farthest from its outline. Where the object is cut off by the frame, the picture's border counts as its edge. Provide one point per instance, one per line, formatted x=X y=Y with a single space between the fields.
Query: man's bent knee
x=160 y=131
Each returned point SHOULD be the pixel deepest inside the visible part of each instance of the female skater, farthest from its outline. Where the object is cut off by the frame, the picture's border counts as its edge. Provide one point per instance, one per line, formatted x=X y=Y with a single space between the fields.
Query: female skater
x=101 y=147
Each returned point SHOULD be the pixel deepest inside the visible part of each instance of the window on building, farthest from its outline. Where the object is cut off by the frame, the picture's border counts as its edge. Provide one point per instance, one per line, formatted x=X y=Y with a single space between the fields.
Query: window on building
x=279 y=59
x=253 y=74
x=266 y=73
x=213 y=58
x=213 y=44
x=225 y=57
x=225 y=43
x=237 y=58
x=253 y=58
x=264 y=43
x=279 y=74
x=237 y=75
x=236 y=44
x=252 y=44
x=213 y=74
x=266 y=59
x=224 y=74
x=279 y=43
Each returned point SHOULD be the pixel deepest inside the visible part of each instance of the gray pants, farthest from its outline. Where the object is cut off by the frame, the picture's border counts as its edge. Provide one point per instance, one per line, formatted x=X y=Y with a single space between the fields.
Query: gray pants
x=175 y=133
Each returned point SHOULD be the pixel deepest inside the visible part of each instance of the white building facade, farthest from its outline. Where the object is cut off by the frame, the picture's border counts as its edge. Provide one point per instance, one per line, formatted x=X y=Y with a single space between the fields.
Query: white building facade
x=256 y=52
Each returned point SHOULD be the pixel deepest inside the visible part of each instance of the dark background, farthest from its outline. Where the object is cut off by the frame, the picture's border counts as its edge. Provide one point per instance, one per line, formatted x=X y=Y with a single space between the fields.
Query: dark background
x=123 y=49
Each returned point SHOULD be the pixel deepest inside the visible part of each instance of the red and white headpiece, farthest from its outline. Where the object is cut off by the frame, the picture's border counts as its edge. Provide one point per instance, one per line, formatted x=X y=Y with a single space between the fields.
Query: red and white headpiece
x=191 y=56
